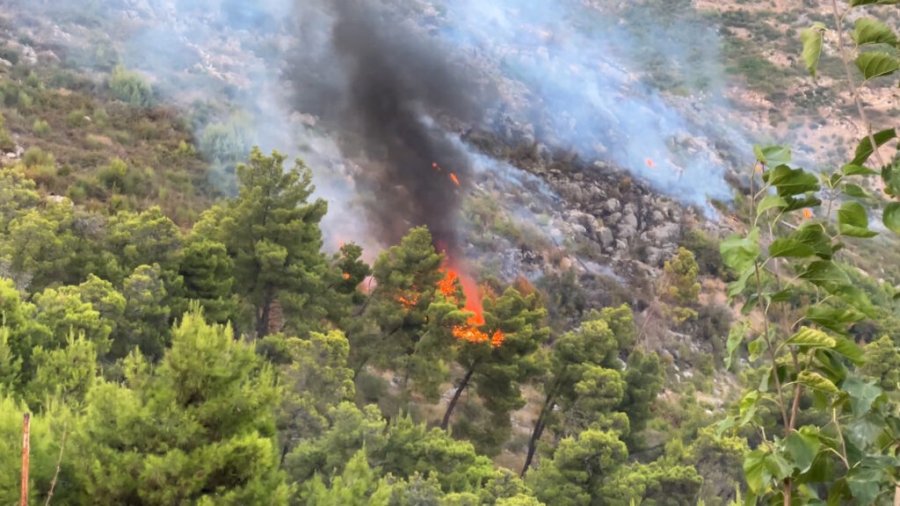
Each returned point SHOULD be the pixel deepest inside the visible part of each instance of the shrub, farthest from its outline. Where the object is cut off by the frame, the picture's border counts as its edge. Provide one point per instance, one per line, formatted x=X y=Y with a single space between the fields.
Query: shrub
x=40 y=127
x=131 y=88
x=6 y=142
x=114 y=174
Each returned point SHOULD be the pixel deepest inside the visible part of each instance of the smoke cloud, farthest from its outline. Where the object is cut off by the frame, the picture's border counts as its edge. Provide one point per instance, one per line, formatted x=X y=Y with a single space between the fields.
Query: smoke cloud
x=391 y=92
x=372 y=93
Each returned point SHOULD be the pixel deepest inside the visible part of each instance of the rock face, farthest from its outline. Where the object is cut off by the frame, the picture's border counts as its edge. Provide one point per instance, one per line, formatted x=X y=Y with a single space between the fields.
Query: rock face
x=607 y=206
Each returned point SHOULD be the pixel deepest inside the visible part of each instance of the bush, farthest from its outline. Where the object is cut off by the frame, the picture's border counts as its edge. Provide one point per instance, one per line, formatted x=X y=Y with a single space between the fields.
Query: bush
x=706 y=252
x=6 y=142
x=40 y=127
x=77 y=118
x=114 y=175
x=129 y=87
x=35 y=157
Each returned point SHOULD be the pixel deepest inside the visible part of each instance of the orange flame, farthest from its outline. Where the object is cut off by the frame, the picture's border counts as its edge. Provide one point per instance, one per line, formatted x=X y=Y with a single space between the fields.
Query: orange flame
x=345 y=275
x=408 y=302
x=454 y=178
x=807 y=213
x=650 y=163
x=469 y=332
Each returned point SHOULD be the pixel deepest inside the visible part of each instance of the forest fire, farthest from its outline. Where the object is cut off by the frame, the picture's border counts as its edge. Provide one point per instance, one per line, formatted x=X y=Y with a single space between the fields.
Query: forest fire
x=470 y=331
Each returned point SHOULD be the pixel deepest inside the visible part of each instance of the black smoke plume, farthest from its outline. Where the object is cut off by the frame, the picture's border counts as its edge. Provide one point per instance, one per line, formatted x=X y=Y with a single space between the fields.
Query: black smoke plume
x=388 y=95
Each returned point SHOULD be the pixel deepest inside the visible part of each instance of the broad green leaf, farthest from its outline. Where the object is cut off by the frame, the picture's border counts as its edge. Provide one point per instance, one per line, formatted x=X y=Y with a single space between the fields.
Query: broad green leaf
x=891 y=217
x=836 y=319
x=756 y=348
x=865 y=483
x=816 y=381
x=813 y=338
x=790 y=248
x=872 y=31
x=778 y=466
x=825 y=274
x=857 y=170
x=864 y=149
x=726 y=424
x=772 y=155
x=738 y=252
x=736 y=336
x=756 y=472
x=862 y=432
x=856 y=191
x=791 y=182
x=737 y=286
x=862 y=395
x=770 y=202
x=813 y=235
x=853 y=220
x=747 y=406
x=799 y=203
x=812 y=38
x=802 y=446
x=764 y=379
x=890 y=174
x=874 y=64
x=857 y=298
x=783 y=295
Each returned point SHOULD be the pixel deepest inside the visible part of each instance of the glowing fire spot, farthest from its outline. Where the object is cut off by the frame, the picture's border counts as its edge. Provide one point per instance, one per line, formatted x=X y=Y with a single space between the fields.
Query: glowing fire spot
x=469 y=332
x=345 y=275
x=454 y=179
x=408 y=302
x=807 y=213
x=650 y=163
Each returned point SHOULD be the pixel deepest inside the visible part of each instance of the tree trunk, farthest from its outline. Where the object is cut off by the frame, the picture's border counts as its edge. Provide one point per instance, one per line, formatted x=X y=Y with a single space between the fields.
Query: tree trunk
x=537 y=433
x=459 y=390
x=262 y=315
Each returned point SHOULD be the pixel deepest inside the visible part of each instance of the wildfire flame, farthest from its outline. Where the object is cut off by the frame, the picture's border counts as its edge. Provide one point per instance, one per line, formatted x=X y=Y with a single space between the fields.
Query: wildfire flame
x=454 y=178
x=469 y=332
x=408 y=302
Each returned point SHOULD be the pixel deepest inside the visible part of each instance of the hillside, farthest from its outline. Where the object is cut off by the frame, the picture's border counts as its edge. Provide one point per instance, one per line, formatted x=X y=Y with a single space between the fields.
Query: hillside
x=430 y=252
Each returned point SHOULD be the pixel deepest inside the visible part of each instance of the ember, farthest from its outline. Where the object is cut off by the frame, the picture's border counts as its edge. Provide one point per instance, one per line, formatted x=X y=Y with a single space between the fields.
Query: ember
x=454 y=178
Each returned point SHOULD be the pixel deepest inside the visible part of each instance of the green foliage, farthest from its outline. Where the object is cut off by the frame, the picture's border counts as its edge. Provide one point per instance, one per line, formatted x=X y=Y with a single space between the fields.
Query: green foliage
x=587 y=386
x=680 y=287
x=47 y=433
x=64 y=373
x=207 y=270
x=812 y=38
x=804 y=355
x=200 y=427
x=412 y=321
x=146 y=316
x=497 y=372
x=6 y=142
x=272 y=235
x=317 y=380
x=579 y=468
x=130 y=87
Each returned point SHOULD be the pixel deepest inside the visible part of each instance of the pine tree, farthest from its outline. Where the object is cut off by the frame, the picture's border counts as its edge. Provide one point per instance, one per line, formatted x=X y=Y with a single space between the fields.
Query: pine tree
x=200 y=428
x=498 y=369
x=271 y=231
